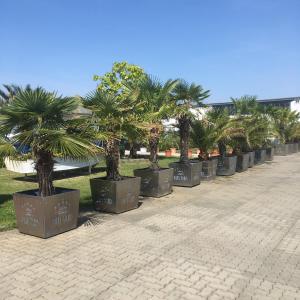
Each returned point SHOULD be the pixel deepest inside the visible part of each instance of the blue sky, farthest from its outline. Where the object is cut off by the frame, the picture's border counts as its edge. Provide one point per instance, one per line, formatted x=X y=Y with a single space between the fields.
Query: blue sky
x=232 y=47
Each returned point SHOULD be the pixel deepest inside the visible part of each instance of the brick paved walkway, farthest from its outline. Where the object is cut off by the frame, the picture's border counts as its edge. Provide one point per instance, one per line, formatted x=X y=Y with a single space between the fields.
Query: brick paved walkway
x=235 y=238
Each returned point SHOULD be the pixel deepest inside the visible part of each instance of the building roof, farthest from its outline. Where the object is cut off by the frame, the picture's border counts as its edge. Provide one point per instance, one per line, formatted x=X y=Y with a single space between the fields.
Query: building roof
x=275 y=100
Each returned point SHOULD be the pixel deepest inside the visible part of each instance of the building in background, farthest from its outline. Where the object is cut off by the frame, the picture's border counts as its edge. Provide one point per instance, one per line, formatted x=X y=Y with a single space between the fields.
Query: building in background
x=293 y=103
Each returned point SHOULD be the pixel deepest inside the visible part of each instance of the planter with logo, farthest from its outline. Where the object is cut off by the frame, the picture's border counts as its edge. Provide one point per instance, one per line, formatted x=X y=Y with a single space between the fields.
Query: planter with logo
x=226 y=165
x=115 y=196
x=260 y=156
x=209 y=169
x=242 y=162
x=46 y=216
x=251 y=159
x=155 y=183
x=281 y=149
x=186 y=173
x=269 y=154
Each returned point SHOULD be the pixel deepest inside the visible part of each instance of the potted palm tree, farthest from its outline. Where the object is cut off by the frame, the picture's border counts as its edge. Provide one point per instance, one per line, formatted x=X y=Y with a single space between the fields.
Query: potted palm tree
x=225 y=131
x=117 y=116
x=37 y=119
x=203 y=136
x=285 y=123
x=250 y=117
x=155 y=96
x=186 y=97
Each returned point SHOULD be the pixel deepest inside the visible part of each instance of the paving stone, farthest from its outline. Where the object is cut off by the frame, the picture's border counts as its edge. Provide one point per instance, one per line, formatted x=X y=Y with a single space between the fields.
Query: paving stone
x=233 y=238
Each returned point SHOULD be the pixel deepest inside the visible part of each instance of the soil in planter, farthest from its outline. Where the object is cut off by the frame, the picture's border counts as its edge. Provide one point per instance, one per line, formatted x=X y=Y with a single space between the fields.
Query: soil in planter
x=155 y=183
x=115 y=196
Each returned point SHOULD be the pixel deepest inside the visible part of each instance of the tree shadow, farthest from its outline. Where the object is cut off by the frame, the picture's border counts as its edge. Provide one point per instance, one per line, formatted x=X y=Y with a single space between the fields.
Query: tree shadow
x=4 y=198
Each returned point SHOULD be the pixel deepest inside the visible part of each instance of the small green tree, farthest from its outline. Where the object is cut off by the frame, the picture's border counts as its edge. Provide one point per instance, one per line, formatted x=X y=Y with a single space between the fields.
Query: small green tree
x=186 y=97
x=116 y=109
x=36 y=118
x=156 y=99
x=116 y=116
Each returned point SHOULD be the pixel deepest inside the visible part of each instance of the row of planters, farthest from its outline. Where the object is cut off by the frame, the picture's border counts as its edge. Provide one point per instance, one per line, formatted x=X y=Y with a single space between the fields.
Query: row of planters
x=128 y=104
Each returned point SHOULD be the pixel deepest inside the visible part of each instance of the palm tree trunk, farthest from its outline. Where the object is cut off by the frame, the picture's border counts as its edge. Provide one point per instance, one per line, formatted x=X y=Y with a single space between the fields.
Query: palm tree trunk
x=184 y=132
x=222 y=151
x=153 y=145
x=44 y=167
x=133 y=150
x=112 y=157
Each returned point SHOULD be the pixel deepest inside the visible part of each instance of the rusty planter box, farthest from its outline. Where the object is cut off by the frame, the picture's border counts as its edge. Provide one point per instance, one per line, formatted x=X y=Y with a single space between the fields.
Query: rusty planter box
x=251 y=159
x=281 y=150
x=260 y=156
x=269 y=154
x=226 y=166
x=46 y=216
x=155 y=183
x=242 y=162
x=115 y=196
x=186 y=174
x=209 y=169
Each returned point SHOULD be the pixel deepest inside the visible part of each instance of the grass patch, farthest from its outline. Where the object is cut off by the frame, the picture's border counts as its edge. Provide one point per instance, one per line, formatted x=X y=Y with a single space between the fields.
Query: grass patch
x=13 y=182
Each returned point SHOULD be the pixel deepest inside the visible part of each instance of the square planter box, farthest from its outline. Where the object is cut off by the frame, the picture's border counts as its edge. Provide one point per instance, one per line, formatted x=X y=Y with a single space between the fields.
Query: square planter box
x=269 y=154
x=242 y=162
x=295 y=148
x=46 y=216
x=226 y=166
x=281 y=150
x=251 y=159
x=209 y=169
x=260 y=156
x=115 y=196
x=155 y=183
x=290 y=148
x=186 y=174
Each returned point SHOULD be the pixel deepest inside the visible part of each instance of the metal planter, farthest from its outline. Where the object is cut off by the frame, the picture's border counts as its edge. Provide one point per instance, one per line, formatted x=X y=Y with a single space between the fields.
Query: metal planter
x=209 y=169
x=186 y=174
x=46 y=216
x=269 y=154
x=260 y=156
x=251 y=159
x=281 y=150
x=226 y=166
x=115 y=196
x=242 y=162
x=295 y=148
x=155 y=183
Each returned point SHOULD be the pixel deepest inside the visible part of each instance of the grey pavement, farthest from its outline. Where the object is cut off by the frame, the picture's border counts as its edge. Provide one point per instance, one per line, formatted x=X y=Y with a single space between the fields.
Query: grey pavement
x=234 y=238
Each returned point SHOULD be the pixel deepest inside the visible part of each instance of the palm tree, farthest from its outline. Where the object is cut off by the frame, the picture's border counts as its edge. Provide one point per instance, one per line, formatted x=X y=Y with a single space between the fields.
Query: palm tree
x=187 y=96
x=224 y=129
x=9 y=91
x=156 y=99
x=285 y=123
x=245 y=105
x=35 y=118
x=203 y=137
x=116 y=116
